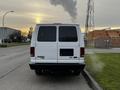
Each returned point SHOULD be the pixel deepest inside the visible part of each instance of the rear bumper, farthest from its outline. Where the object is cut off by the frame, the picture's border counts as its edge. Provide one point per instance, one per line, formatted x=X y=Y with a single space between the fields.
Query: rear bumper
x=56 y=66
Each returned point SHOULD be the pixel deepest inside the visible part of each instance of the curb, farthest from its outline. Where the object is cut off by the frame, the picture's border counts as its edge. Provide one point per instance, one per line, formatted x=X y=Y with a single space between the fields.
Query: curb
x=92 y=83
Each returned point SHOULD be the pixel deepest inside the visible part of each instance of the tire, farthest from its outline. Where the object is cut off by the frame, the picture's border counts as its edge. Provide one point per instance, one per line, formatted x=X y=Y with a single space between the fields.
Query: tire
x=38 y=72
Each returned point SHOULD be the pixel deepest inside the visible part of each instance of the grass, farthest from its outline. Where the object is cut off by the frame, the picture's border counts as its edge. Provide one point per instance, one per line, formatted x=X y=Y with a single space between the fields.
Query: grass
x=109 y=75
x=90 y=47
x=12 y=44
x=3 y=45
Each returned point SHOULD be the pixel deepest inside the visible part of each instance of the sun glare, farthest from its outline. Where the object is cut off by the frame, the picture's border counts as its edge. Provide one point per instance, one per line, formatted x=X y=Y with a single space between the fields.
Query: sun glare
x=24 y=31
x=38 y=20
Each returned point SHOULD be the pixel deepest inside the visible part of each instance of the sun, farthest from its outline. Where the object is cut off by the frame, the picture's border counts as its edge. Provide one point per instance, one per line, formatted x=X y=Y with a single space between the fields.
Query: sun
x=38 y=20
x=24 y=31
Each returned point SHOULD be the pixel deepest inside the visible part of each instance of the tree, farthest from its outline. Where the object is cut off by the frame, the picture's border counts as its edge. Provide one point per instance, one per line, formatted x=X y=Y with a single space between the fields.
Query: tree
x=16 y=37
x=30 y=33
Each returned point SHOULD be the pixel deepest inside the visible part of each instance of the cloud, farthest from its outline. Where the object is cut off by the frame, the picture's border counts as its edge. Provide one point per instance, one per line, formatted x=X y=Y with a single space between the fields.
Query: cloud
x=68 y=5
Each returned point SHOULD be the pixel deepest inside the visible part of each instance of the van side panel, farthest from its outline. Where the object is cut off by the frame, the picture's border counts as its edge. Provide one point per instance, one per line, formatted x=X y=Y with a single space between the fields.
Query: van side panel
x=33 y=44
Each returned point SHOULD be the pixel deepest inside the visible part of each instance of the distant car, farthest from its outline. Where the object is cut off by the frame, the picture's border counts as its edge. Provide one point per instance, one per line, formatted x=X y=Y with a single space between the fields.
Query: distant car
x=57 y=47
x=7 y=41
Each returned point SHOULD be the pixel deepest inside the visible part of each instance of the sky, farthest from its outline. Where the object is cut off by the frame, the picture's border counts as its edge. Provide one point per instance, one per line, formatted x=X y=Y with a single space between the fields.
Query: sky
x=29 y=12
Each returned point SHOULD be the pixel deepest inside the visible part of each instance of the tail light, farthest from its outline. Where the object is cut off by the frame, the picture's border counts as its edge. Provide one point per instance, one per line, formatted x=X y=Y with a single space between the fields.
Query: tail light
x=32 y=51
x=82 y=52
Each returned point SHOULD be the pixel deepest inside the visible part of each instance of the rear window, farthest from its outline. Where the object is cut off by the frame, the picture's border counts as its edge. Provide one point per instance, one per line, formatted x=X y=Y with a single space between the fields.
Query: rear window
x=67 y=34
x=47 y=34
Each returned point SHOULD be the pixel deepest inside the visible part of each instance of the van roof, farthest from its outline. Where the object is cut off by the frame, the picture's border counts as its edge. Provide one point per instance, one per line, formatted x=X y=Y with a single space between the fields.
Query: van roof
x=58 y=24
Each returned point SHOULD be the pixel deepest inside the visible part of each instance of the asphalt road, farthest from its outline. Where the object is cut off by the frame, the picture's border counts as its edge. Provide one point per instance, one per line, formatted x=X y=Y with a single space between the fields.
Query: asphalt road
x=15 y=74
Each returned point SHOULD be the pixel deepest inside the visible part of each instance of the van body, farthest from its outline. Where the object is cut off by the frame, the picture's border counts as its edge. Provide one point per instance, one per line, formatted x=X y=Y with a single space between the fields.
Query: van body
x=57 y=47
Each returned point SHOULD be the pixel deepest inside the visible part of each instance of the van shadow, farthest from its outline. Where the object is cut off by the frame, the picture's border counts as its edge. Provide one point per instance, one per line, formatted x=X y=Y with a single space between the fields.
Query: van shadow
x=58 y=78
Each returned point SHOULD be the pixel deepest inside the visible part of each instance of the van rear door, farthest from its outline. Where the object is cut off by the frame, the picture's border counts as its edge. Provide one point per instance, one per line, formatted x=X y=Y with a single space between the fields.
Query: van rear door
x=46 y=45
x=68 y=45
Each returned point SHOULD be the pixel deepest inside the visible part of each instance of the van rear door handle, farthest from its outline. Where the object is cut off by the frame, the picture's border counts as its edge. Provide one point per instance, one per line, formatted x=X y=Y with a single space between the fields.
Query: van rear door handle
x=75 y=57
x=41 y=57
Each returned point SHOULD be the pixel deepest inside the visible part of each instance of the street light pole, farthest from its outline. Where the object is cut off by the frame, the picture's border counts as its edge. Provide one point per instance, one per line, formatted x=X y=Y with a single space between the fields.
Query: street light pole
x=3 y=22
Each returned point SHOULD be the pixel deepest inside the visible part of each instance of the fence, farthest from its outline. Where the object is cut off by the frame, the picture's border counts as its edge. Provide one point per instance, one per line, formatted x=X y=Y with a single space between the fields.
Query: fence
x=105 y=42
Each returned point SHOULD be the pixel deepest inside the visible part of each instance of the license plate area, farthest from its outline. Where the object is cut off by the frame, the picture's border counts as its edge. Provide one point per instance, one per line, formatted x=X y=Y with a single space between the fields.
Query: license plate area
x=66 y=52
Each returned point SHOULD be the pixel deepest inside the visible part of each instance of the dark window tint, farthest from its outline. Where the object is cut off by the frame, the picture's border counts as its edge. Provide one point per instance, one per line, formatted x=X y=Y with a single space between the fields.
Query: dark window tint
x=47 y=34
x=67 y=34
x=66 y=52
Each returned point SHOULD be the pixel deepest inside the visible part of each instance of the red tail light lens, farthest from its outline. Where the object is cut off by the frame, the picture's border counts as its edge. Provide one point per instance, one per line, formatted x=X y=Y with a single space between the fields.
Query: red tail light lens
x=32 y=51
x=82 y=52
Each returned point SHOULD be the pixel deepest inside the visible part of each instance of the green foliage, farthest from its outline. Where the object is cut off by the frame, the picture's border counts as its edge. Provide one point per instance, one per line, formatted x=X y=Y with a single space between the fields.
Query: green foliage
x=13 y=44
x=3 y=45
x=109 y=77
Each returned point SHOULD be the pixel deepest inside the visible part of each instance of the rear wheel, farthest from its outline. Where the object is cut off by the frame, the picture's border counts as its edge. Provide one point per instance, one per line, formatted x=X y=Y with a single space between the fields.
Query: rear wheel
x=38 y=72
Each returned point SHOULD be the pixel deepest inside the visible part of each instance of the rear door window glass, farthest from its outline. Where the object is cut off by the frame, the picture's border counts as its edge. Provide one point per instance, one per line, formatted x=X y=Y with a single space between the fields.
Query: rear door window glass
x=47 y=34
x=68 y=34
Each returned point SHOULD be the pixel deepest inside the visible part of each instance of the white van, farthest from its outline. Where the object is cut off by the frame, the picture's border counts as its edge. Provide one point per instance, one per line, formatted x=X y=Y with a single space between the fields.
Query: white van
x=58 y=47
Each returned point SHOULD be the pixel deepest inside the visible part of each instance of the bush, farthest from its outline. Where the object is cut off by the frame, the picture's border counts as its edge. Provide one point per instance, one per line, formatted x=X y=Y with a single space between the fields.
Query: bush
x=3 y=45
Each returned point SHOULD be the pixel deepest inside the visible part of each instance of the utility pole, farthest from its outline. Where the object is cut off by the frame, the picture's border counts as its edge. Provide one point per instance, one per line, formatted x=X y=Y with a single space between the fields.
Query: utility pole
x=89 y=25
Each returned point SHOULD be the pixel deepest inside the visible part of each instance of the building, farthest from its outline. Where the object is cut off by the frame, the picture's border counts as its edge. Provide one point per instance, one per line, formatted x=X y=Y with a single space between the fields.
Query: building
x=104 y=38
x=8 y=33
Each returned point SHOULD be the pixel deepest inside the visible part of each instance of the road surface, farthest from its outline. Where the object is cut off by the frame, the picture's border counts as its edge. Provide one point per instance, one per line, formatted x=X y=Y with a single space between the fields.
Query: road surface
x=16 y=75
